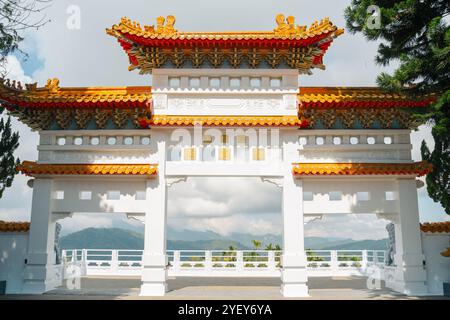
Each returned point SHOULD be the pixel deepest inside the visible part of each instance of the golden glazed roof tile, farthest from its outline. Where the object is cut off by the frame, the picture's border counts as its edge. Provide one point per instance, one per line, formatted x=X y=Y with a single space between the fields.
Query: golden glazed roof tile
x=32 y=169
x=250 y=121
x=435 y=227
x=331 y=169
x=6 y=226
x=31 y=95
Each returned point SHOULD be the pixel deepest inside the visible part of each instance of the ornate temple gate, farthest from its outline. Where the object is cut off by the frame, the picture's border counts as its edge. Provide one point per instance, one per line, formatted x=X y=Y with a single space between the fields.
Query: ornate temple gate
x=331 y=150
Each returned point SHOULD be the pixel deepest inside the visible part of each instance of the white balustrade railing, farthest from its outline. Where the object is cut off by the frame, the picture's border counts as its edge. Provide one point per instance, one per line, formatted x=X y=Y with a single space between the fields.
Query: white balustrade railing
x=266 y=263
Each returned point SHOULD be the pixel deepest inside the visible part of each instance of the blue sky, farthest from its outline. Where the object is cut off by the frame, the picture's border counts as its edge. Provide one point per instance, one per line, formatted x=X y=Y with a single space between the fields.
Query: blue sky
x=88 y=57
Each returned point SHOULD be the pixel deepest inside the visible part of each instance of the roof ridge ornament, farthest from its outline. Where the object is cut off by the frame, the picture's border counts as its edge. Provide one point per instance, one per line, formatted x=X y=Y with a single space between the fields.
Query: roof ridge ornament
x=164 y=26
x=11 y=84
x=287 y=26
x=52 y=85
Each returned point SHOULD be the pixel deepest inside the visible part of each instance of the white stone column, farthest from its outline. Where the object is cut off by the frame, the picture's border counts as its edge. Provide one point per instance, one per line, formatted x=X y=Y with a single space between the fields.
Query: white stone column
x=154 y=260
x=410 y=275
x=293 y=276
x=41 y=274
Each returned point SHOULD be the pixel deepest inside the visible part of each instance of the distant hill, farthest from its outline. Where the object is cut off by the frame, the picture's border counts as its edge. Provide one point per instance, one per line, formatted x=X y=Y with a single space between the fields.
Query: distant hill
x=116 y=238
x=103 y=238
x=204 y=245
x=361 y=245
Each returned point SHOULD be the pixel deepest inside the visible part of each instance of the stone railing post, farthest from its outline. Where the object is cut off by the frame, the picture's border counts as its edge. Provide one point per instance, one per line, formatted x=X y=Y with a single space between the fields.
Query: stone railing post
x=176 y=263
x=84 y=262
x=364 y=260
x=334 y=263
x=114 y=261
x=271 y=261
x=208 y=261
x=240 y=260
x=374 y=257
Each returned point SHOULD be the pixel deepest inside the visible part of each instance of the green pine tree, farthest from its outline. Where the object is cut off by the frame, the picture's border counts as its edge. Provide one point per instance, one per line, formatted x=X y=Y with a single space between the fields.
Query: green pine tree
x=15 y=17
x=416 y=34
x=9 y=141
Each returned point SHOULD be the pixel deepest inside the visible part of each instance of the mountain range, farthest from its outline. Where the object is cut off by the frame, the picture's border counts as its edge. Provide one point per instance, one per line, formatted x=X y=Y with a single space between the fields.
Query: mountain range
x=116 y=238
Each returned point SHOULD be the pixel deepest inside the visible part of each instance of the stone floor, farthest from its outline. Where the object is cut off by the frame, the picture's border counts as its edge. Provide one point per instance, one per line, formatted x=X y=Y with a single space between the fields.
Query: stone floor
x=181 y=288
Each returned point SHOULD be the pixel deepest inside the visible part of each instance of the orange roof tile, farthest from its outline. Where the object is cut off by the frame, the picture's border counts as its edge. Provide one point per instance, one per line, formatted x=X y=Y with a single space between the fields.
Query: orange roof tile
x=82 y=97
x=14 y=226
x=251 y=121
x=435 y=227
x=308 y=169
x=32 y=168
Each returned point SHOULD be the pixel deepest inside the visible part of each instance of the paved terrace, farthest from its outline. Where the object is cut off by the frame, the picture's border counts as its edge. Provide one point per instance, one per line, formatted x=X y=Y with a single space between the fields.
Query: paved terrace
x=195 y=288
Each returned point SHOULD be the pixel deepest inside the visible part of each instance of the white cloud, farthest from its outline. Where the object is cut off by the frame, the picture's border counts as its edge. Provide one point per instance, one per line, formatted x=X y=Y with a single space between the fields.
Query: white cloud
x=353 y=226
x=14 y=70
x=238 y=223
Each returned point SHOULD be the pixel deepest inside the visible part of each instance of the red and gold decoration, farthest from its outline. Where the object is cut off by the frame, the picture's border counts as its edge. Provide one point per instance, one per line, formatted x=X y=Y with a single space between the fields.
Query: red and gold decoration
x=53 y=107
x=288 y=45
x=347 y=108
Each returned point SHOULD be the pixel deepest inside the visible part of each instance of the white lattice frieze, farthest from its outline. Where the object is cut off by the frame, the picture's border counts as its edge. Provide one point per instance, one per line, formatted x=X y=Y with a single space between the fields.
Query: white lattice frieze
x=159 y=101
x=228 y=105
x=290 y=102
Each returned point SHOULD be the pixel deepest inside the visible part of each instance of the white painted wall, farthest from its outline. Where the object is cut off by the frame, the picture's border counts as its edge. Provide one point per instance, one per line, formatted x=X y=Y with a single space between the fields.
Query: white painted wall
x=349 y=188
x=101 y=201
x=437 y=266
x=13 y=250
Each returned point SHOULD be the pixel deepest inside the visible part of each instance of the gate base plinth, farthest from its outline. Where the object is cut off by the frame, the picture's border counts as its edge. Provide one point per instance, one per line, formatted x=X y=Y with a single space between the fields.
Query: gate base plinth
x=153 y=289
x=294 y=290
